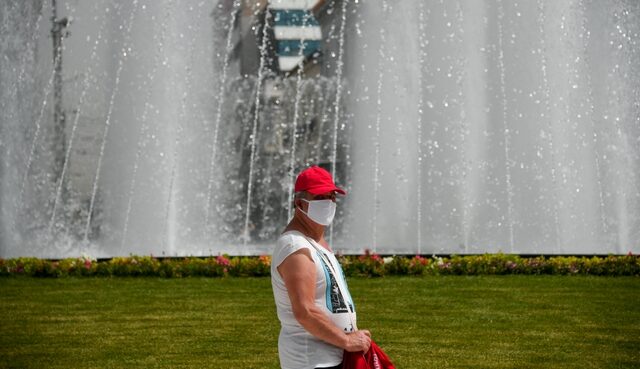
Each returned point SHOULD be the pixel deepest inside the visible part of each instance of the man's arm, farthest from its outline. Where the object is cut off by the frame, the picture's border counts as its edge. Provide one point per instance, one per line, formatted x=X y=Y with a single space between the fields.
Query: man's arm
x=299 y=274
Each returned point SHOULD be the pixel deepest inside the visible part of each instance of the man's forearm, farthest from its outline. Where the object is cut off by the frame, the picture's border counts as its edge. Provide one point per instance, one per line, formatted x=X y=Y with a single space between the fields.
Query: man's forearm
x=316 y=322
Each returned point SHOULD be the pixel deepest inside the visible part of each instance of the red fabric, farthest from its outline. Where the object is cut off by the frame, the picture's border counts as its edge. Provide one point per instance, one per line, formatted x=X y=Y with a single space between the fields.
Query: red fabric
x=316 y=181
x=375 y=358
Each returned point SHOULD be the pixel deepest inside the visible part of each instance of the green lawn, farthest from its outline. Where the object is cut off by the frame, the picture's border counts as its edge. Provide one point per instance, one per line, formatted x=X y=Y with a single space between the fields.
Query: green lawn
x=429 y=322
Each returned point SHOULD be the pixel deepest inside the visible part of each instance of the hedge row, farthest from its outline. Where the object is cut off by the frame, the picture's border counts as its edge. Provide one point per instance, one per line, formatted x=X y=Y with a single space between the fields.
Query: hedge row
x=491 y=264
x=138 y=266
x=368 y=265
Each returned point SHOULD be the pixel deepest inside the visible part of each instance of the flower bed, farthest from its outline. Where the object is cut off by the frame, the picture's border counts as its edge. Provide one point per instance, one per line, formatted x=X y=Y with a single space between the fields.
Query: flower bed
x=367 y=265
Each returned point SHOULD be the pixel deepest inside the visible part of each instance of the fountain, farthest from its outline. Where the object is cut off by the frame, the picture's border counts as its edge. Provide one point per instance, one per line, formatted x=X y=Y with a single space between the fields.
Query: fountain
x=455 y=126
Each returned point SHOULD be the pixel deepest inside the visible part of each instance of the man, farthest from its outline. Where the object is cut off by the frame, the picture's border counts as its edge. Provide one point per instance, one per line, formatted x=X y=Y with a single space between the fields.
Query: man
x=308 y=284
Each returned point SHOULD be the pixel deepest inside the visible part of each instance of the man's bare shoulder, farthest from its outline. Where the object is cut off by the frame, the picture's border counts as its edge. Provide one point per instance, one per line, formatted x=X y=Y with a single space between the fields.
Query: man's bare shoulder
x=290 y=243
x=289 y=238
x=301 y=257
x=292 y=254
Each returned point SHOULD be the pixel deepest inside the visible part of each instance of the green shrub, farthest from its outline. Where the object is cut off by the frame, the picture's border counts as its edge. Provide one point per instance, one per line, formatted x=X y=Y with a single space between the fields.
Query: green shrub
x=4 y=268
x=368 y=265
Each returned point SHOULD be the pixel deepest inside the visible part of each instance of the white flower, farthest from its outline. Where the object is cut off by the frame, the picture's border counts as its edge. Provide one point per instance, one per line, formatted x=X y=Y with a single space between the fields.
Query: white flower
x=388 y=259
x=86 y=257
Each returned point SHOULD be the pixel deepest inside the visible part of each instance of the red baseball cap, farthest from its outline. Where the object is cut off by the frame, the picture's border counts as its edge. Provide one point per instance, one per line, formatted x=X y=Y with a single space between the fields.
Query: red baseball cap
x=316 y=181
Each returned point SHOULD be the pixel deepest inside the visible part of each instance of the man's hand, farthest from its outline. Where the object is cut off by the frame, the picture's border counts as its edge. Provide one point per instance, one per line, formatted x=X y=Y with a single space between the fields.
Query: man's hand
x=358 y=341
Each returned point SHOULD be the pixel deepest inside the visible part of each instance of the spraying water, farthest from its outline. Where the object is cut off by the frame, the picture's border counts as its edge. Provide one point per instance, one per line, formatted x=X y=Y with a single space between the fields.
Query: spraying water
x=507 y=136
x=61 y=179
x=624 y=23
x=254 y=130
x=339 y=72
x=171 y=208
x=422 y=55
x=36 y=136
x=108 y=120
x=461 y=67
x=21 y=75
x=590 y=113
x=144 y=126
x=296 y=115
x=480 y=102
x=376 y=141
x=337 y=103
x=221 y=99
x=10 y=112
x=547 y=115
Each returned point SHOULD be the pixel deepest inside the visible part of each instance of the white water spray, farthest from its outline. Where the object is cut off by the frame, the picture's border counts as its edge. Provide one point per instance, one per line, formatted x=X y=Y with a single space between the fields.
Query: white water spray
x=36 y=135
x=296 y=116
x=144 y=124
x=461 y=66
x=422 y=61
x=108 y=120
x=591 y=115
x=254 y=130
x=376 y=141
x=507 y=136
x=170 y=223
x=336 y=116
x=547 y=114
x=221 y=99
x=71 y=138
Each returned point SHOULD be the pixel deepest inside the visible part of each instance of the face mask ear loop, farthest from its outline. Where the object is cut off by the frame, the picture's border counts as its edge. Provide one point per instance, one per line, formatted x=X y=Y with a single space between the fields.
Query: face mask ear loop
x=300 y=208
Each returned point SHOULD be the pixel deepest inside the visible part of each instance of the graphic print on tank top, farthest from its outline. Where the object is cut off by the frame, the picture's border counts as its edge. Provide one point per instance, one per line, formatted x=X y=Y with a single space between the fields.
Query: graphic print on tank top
x=335 y=302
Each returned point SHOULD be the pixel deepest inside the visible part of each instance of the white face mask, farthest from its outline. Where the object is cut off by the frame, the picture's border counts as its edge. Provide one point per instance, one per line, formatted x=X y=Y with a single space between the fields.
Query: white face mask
x=321 y=211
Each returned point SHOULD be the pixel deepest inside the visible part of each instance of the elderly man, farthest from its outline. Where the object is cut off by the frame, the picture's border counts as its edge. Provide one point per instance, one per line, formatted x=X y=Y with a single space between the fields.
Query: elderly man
x=308 y=284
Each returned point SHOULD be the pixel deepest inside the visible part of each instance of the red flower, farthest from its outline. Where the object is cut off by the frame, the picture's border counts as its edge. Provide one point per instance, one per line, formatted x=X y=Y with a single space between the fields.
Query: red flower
x=221 y=260
x=423 y=261
x=265 y=259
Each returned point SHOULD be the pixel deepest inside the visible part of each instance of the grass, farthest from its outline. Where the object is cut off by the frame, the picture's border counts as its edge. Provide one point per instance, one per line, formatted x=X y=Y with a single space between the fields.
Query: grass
x=430 y=322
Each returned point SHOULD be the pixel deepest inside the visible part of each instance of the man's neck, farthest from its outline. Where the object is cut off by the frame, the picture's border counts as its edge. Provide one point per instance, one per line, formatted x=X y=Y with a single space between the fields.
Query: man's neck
x=314 y=231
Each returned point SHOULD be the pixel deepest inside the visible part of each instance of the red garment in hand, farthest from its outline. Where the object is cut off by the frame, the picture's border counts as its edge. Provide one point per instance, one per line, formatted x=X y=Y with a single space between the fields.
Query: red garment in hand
x=375 y=358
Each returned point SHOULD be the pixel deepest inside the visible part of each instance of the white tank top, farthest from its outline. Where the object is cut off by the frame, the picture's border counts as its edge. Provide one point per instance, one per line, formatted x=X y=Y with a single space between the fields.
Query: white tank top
x=297 y=348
